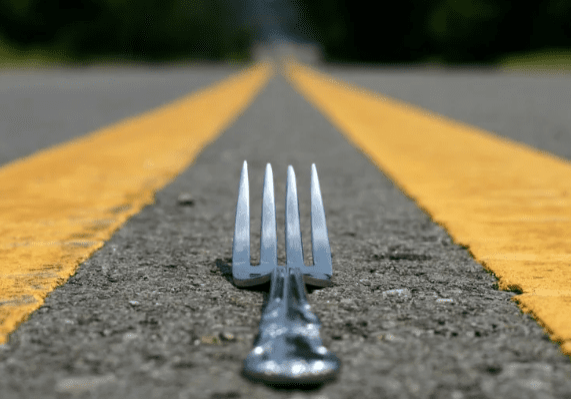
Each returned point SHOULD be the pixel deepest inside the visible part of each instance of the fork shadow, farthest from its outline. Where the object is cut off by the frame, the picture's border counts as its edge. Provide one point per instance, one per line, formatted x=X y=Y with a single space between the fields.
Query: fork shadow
x=287 y=387
x=225 y=268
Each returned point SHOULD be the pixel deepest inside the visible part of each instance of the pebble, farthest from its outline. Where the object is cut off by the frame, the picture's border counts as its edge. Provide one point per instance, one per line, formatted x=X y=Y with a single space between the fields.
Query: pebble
x=210 y=340
x=82 y=384
x=392 y=338
x=397 y=292
x=185 y=199
x=129 y=336
x=533 y=384
x=227 y=336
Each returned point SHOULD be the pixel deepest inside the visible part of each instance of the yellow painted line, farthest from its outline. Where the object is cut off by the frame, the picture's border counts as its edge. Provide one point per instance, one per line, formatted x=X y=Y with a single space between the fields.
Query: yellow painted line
x=509 y=203
x=60 y=205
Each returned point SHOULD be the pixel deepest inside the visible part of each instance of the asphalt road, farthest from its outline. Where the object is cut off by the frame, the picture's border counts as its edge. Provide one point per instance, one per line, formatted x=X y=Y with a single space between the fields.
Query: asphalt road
x=154 y=314
x=43 y=108
x=525 y=107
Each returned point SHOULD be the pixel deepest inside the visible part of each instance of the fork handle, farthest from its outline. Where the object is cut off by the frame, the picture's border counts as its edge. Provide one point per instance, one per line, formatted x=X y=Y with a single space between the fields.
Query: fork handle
x=288 y=349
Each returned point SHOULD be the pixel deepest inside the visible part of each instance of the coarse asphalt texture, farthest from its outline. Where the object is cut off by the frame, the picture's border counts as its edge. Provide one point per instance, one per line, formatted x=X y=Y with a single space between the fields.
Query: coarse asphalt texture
x=154 y=313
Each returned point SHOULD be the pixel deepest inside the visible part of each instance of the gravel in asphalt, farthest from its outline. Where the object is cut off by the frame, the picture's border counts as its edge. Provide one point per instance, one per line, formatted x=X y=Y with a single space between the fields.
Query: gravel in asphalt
x=154 y=313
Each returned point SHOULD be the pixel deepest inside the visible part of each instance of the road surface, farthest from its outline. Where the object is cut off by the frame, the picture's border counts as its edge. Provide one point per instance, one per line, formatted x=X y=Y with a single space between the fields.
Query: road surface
x=154 y=314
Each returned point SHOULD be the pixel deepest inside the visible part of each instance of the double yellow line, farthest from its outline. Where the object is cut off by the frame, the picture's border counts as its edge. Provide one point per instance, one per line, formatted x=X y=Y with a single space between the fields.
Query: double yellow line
x=60 y=205
x=510 y=204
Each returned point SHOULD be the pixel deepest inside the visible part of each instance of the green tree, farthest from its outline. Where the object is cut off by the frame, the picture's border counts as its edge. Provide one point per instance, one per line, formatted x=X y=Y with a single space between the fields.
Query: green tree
x=142 y=29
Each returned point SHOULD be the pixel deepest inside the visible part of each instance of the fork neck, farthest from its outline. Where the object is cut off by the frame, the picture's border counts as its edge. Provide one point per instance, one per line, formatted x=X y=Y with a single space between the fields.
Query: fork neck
x=287 y=291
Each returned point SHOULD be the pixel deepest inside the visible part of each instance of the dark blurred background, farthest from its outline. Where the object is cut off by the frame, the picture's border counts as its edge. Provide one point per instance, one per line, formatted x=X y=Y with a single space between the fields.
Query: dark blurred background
x=448 y=31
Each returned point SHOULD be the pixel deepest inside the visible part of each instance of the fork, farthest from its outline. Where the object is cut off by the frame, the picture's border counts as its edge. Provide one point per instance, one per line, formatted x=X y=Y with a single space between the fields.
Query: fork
x=288 y=349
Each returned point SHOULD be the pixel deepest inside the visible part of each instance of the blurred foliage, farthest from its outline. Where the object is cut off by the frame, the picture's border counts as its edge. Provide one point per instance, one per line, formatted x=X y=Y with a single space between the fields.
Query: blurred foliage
x=472 y=31
x=126 y=29
x=445 y=30
x=546 y=60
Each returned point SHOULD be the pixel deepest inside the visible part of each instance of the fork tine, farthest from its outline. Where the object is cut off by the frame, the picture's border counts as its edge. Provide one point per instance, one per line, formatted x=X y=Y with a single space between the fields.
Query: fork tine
x=241 y=244
x=294 y=248
x=319 y=237
x=269 y=241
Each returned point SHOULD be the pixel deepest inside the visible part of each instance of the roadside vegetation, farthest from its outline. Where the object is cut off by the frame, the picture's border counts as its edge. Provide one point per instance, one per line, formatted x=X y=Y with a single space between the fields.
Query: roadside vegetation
x=551 y=60
x=473 y=32
x=85 y=31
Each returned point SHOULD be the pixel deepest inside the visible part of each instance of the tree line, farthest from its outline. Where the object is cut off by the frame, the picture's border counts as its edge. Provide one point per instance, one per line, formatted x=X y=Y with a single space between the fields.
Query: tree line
x=448 y=30
x=346 y=30
x=126 y=29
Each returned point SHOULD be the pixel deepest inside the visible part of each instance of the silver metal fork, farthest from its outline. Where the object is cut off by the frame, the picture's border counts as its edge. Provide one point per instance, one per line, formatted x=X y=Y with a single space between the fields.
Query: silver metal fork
x=288 y=349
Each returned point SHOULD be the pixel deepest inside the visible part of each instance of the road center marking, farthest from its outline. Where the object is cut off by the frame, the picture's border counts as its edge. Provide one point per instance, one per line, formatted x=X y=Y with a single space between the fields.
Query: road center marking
x=509 y=203
x=60 y=205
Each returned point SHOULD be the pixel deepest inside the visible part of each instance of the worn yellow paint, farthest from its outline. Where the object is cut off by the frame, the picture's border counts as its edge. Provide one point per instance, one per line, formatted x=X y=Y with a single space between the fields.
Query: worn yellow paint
x=509 y=203
x=60 y=205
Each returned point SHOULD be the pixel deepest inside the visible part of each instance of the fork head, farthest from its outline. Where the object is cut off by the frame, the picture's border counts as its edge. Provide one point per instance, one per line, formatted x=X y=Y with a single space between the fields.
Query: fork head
x=244 y=273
